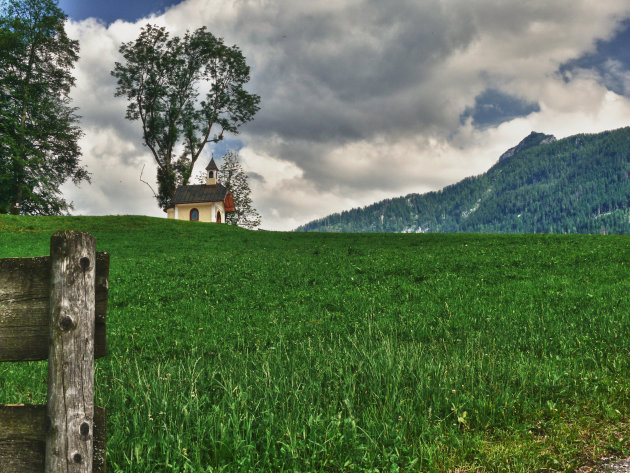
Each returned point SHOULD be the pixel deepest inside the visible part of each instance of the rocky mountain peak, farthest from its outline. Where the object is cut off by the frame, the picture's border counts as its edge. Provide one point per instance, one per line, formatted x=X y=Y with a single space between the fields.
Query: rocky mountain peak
x=533 y=139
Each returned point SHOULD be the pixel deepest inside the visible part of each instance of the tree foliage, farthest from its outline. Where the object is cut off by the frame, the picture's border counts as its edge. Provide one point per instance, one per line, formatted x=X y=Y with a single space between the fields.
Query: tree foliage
x=186 y=92
x=235 y=179
x=38 y=128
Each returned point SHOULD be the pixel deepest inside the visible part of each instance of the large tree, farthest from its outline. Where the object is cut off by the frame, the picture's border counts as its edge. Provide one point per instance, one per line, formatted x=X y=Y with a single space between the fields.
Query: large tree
x=38 y=128
x=186 y=92
x=235 y=179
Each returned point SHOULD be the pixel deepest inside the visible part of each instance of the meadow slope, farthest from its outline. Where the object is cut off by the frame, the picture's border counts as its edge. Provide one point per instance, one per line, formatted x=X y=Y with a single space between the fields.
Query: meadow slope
x=243 y=351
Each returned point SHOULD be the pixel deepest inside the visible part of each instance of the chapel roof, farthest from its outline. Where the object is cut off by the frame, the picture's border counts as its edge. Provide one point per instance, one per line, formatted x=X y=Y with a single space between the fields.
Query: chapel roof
x=199 y=193
x=212 y=166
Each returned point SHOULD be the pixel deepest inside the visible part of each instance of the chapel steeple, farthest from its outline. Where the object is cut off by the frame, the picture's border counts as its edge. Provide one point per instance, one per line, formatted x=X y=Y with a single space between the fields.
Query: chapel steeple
x=213 y=172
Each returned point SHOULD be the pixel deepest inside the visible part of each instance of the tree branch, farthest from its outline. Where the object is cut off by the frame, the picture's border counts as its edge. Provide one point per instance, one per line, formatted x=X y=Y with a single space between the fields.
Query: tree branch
x=142 y=180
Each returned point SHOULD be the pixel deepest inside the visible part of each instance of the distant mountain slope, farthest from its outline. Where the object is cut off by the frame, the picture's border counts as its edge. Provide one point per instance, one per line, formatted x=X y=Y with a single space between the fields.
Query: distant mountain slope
x=579 y=184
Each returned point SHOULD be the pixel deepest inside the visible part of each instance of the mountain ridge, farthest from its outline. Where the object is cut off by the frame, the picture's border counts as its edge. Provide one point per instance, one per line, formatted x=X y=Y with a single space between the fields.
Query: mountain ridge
x=533 y=139
x=579 y=184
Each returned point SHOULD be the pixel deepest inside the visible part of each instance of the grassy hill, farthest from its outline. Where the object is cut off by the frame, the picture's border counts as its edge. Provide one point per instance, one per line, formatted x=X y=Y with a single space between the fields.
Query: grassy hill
x=579 y=184
x=234 y=350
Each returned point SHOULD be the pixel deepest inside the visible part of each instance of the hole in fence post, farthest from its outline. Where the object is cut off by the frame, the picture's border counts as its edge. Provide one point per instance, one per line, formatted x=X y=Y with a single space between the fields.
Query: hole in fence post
x=66 y=323
x=85 y=263
x=85 y=429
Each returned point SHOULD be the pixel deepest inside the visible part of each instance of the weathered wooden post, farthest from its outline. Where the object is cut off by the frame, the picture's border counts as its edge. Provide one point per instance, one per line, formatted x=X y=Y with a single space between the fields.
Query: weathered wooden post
x=70 y=402
x=54 y=308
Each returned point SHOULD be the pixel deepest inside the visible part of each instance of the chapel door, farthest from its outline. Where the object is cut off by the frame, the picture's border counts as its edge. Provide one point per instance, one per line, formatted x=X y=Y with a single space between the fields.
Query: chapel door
x=218 y=216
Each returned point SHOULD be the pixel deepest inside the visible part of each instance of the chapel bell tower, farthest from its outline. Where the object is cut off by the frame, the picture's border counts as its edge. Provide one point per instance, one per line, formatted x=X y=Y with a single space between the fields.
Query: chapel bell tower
x=213 y=172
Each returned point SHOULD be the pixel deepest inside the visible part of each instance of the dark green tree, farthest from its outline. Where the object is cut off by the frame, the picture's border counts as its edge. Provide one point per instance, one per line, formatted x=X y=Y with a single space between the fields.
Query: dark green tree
x=38 y=128
x=163 y=79
x=235 y=179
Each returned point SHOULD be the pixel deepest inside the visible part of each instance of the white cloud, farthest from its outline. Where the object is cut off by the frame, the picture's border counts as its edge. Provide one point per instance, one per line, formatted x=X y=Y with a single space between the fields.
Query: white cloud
x=116 y=164
x=361 y=100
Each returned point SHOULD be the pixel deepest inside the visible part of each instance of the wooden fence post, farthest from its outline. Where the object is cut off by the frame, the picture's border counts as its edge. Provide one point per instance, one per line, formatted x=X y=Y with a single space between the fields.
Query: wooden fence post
x=70 y=402
x=55 y=308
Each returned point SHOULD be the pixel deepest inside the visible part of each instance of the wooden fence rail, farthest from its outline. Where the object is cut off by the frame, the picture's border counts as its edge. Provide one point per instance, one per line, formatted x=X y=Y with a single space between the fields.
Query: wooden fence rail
x=54 y=308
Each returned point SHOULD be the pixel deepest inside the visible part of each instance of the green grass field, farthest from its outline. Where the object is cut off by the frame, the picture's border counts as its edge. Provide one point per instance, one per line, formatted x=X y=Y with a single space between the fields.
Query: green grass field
x=239 y=351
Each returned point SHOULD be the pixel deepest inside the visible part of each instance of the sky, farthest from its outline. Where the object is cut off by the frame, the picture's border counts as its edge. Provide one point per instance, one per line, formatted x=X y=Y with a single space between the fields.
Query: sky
x=361 y=100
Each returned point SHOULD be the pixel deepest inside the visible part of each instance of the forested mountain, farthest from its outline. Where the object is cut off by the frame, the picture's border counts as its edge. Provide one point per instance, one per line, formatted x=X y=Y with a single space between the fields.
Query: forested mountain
x=579 y=184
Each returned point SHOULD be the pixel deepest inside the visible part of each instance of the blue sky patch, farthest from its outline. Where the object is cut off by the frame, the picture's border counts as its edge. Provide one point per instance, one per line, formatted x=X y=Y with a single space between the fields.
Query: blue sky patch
x=221 y=148
x=112 y=10
x=610 y=60
x=493 y=107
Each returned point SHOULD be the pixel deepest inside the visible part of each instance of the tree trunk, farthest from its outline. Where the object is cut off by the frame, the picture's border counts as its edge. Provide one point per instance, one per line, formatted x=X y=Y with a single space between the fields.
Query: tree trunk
x=16 y=203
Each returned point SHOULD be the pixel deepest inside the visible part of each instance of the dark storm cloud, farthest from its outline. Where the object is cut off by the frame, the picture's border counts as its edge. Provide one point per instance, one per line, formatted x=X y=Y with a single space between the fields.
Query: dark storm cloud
x=360 y=70
x=346 y=75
